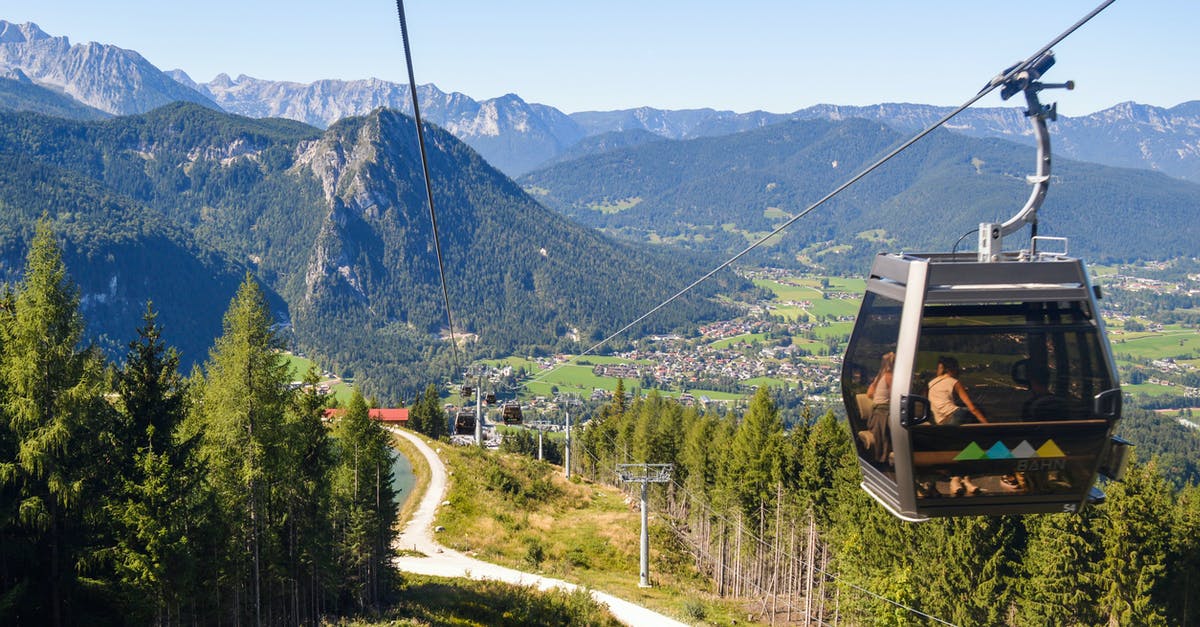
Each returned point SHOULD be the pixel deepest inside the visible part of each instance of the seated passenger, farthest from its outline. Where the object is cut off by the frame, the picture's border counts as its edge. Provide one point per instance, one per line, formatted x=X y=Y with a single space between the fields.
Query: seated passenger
x=942 y=391
x=875 y=438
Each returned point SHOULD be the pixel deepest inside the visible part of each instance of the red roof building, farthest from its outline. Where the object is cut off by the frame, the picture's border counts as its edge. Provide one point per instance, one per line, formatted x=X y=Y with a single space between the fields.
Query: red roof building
x=386 y=415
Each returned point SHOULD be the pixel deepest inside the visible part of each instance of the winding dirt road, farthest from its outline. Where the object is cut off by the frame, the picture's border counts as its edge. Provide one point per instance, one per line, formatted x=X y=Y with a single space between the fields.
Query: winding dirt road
x=444 y=562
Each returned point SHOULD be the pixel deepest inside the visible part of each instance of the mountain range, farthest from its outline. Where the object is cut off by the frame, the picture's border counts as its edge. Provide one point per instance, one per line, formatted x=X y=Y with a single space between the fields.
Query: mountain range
x=161 y=194
x=176 y=205
x=518 y=137
x=722 y=192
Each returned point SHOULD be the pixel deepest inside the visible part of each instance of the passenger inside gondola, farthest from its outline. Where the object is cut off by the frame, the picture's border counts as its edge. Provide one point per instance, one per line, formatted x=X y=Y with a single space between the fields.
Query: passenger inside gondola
x=876 y=438
x=945 y=390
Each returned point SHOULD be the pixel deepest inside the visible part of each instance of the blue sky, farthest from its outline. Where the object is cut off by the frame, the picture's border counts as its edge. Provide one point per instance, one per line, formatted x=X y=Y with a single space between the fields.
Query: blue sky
x=774 y=55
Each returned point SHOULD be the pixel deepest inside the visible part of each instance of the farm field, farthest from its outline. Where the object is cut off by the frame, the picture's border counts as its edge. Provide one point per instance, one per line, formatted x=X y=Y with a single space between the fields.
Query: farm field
x=1148 y=389
x=745 y=338
x=341 y=389
x=810 y=291
x=1171 y=342
x=571 y=379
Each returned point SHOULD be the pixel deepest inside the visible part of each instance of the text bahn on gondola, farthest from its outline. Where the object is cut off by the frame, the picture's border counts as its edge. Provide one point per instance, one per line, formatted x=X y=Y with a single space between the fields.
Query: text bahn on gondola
x=983 y=382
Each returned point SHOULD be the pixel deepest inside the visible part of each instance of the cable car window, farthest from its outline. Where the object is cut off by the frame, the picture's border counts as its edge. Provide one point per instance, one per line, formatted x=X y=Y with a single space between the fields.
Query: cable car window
x=867 y=377
x=989 y=375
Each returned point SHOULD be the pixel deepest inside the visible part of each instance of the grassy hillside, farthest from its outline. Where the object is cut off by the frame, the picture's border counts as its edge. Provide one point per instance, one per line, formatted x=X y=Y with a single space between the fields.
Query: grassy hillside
x=521 y=513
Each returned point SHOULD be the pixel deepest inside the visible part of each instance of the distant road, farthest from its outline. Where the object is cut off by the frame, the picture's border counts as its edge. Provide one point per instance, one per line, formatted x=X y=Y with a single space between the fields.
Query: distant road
x=444 y=562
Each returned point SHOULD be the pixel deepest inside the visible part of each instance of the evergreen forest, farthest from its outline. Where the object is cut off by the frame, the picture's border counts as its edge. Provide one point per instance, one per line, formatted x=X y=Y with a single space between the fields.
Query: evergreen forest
x=773 y=515
x=131 y=493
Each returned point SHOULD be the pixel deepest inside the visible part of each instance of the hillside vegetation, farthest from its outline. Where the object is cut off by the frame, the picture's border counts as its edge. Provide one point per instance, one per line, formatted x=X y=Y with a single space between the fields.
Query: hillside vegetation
x=176 y=204
x=718 y=193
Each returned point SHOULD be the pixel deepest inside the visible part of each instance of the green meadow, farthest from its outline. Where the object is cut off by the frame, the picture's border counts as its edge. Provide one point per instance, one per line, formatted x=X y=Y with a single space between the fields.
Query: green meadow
x=1171 y=342
x=745 y=338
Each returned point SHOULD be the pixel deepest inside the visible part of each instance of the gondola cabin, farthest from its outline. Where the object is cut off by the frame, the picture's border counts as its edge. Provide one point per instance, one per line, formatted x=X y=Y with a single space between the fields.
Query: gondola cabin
x=512 y=413
x=981 y=388
x=467 y=391
x=464 y=422
x=490 y=398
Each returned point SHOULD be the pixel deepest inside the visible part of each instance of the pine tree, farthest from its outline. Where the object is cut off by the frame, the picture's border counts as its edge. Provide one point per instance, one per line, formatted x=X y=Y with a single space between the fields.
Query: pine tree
x=828 y=467
x=1059 y=583
x=965 y=566
x=157 y=510
x=309 y=450
x=426 y=416
x=62 y=431
x=754 y=457
x=1135 y=542
x=1184 y=563
x=365 y=508
x=241 y=410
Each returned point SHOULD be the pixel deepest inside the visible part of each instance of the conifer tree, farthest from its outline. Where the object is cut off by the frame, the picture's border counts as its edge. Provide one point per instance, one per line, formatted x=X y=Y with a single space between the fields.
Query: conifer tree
x=1184 y=563
x=365 y=507
x=965 y=566
x=827 y=467
x=426 y=416
x=754 y=456
x=646 y=448
x=1135 y=542
x=1059 y=583
x=158 y=510
x=241 y=410
x=61 y=429
x=310 y=451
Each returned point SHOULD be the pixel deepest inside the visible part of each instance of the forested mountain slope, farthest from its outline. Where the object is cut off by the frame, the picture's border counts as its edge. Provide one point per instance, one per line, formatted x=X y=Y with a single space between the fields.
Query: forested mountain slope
x=336 y=224
x=713 y=193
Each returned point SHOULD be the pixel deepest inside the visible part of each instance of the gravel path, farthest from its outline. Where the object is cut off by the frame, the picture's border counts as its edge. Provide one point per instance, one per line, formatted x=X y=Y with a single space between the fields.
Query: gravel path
x=444 y=562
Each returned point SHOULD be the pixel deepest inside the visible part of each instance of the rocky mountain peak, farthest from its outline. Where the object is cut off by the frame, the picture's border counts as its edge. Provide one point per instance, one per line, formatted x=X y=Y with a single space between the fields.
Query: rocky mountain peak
x=181 y=77
x=20 y=33
x=102 y=76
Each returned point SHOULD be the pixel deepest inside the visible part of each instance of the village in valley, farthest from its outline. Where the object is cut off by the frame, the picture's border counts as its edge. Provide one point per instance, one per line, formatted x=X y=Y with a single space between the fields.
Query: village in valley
x=792 y=340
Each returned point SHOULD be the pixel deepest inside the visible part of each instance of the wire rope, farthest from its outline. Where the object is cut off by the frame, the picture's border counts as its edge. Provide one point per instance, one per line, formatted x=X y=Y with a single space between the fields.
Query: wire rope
x=437 y=245
x=999 y=80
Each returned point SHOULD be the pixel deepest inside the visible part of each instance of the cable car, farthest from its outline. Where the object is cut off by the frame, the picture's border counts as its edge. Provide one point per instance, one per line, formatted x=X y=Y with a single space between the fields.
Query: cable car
x=464 y=422
x=512 y=413
x=490 y=398
x=467 y=391
x=983 y=383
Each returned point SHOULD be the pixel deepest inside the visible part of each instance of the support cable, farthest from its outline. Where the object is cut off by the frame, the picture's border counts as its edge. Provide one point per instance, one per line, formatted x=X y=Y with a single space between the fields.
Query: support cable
x=998 y=81
x=437 y=246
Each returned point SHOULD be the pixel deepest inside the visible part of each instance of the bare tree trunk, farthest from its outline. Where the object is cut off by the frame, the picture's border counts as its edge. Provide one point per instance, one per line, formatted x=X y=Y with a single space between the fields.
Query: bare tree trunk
x=737 y=559
x=837 y=606
x=808 y=560
x=721 y=565
x=791 y=587
x=821 y=586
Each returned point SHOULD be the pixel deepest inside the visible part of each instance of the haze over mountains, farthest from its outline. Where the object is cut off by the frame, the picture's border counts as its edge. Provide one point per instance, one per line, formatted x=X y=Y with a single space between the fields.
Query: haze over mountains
x=518 y=137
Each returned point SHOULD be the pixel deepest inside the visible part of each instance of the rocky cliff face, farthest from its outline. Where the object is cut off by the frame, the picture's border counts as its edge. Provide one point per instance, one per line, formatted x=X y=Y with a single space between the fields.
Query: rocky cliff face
x=108 y=78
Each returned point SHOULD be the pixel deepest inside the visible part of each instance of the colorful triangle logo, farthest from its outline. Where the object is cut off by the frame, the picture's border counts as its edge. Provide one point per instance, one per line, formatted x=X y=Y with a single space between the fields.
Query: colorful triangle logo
x=999 y=451
x=973 y=451
x=1050 y=449
x=1024 y=450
